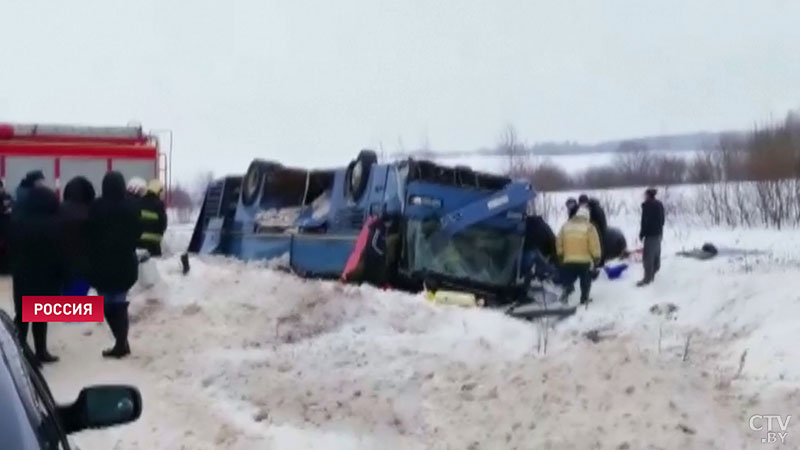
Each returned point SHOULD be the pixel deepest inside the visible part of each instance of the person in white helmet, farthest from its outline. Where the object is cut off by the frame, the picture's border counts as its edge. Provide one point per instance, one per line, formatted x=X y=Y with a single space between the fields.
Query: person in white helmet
x=136 y=187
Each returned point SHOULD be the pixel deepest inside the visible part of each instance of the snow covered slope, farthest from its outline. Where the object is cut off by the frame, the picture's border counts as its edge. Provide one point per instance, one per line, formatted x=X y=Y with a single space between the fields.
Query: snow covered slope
x=237 y=356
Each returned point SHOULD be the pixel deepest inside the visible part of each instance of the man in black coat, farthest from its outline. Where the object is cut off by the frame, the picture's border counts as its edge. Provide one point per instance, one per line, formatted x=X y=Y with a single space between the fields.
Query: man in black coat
x=114 y=231
x=651 y=232
x=36 y=264
x=598 y=218
x=74 y=221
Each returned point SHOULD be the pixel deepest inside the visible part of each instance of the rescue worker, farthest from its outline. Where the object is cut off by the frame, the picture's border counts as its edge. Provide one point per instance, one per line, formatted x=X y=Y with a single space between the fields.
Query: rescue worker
x=74 y=221
x=153 y=215
x=651 y=232
x=578 y=247
x=598 y=218
x=114 y=230
x=5 y=220
x=36 y=264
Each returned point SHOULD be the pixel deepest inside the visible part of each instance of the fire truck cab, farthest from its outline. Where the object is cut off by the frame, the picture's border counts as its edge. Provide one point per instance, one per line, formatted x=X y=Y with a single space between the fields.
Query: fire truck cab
x=62 y=152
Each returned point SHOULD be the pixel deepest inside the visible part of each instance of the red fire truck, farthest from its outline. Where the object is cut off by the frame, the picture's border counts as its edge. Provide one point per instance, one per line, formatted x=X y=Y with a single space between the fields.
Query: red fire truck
x=62 y=152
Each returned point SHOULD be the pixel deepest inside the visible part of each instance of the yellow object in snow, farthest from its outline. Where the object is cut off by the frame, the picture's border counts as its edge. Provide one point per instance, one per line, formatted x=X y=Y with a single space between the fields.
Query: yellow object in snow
x=456 y=298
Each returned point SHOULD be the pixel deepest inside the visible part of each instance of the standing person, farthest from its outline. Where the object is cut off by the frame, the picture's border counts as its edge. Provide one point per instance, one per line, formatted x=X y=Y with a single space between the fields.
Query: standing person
x=114 y=230
x=34 y=178
x=36 y=265
x=153 y=214
x=598 y=218
x=651 y=231
x=74 y=224
x=572 y=207
x=5 y=220
x=578 y=247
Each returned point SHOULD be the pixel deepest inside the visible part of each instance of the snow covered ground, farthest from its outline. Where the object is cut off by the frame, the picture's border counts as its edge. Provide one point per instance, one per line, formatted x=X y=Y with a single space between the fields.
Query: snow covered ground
x=237 y=356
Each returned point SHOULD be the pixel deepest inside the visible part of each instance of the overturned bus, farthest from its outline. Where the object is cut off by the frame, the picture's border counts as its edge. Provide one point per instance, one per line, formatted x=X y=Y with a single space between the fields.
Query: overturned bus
x=444 y=227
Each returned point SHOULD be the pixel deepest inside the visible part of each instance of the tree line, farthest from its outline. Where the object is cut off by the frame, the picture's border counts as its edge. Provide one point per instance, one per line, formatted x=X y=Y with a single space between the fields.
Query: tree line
x=748 y=179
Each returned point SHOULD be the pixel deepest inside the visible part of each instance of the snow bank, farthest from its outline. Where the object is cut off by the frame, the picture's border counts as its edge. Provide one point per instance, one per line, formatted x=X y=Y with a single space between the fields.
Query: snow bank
x=237 y=356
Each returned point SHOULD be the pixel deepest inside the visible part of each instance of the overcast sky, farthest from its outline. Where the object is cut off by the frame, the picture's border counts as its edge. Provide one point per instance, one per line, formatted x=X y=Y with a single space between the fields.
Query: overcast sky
x=312 y=82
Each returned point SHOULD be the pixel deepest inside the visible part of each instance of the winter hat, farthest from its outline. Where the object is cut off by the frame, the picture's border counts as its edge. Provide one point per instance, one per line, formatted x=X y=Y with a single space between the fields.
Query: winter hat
x=137 y=186
x=79 y=190
x=113 y=186
x=583 y=199
x=42 y=201
x=31 y=178
x=651 y=192
x=571 y=202
x=583 y=213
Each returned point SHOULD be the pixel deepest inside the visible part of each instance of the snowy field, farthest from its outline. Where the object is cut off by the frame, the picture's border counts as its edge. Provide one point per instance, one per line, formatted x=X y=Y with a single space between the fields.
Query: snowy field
x=237 y=356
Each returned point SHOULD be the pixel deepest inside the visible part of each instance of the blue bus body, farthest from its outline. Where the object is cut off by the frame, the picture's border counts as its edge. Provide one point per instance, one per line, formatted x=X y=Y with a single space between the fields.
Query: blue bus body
x=459 y=228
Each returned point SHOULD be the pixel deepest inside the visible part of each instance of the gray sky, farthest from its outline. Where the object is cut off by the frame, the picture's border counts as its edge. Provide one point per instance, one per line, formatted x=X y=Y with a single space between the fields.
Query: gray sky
x=312 y=82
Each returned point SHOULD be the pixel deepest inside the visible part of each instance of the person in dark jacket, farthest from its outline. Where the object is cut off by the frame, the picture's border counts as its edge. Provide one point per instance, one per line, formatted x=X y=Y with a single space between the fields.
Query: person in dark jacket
x=114 y=231
x=572 y=207
x=651 y=231
x=598 y=218
x=34 y=178
x=5 y=220
x=35 y=260
x=153 y=215
x=74 y=225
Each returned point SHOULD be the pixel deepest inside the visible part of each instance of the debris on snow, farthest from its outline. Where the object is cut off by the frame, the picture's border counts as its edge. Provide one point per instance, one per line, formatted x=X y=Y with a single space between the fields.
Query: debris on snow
x=666 y=310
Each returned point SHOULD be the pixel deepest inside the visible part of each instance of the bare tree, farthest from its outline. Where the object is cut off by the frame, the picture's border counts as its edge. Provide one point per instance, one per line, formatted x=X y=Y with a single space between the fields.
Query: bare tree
x=514 y=152
x=549 y=177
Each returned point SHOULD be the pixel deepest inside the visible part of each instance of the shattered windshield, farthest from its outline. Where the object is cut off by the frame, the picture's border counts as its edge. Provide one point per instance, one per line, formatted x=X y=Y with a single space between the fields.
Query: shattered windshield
x=479 y=254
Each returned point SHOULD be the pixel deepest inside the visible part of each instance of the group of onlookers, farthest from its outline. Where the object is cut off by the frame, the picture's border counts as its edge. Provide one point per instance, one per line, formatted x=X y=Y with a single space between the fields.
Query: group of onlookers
x=581 y=243
x=67 y=247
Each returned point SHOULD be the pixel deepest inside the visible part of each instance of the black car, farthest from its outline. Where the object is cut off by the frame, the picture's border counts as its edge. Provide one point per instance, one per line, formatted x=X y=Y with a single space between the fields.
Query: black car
x=29 y=417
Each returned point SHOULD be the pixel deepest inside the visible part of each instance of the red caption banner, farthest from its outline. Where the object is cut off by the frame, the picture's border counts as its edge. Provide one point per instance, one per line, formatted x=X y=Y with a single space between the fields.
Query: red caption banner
x=43 y=308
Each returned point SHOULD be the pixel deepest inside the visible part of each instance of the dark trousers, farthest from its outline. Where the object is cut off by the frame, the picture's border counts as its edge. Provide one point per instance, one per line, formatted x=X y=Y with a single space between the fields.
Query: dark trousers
x=115 y=308
x=570 y=272
x=651 y=257
x=39 y=328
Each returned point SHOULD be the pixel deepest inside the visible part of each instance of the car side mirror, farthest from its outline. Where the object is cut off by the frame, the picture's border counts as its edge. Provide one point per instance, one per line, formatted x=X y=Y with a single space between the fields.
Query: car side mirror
x=100 y=407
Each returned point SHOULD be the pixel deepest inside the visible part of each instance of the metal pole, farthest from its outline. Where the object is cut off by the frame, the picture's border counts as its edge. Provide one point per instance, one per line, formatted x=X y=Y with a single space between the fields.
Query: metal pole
x=168 y=170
